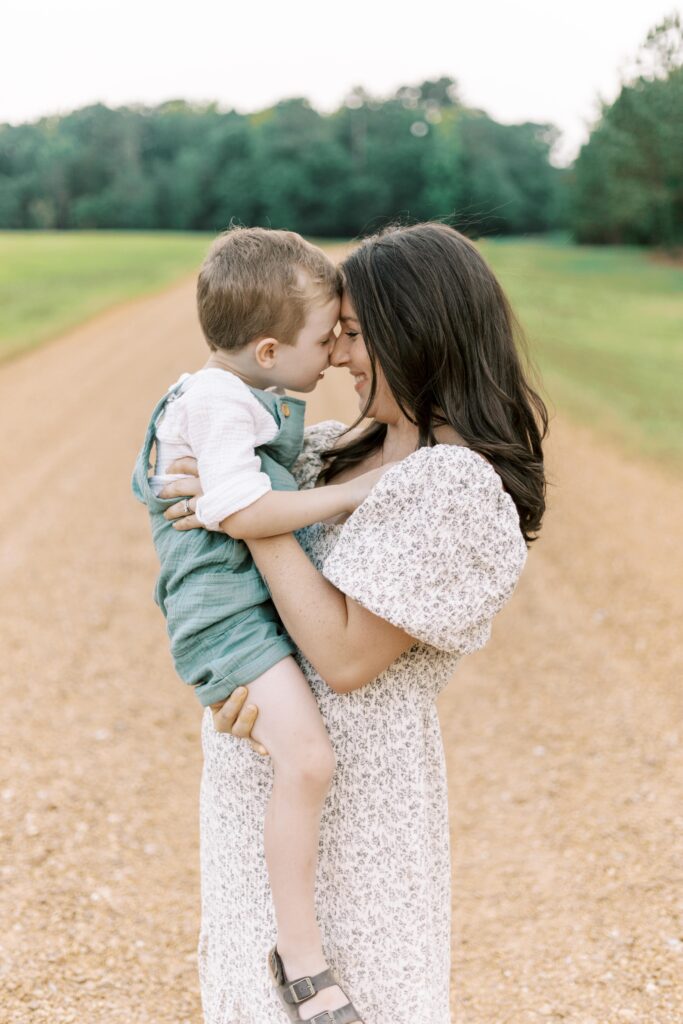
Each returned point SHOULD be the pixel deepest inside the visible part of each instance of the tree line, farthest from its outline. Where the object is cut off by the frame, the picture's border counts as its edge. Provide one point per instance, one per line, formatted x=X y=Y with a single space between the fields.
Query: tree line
x=418 y=154
x=627 y=183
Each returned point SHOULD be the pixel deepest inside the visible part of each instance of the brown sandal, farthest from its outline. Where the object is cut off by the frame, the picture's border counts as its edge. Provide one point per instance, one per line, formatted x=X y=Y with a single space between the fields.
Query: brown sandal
x=293 y=993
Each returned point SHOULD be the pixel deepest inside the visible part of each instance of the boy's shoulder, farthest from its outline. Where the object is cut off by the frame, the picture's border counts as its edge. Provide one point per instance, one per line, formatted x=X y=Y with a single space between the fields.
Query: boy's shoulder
x=211 y=380
x=209 y=390
x=210 y=386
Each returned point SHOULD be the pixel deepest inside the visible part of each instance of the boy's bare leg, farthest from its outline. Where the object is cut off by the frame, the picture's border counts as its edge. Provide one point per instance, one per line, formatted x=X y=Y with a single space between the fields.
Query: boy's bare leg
x=289 y=725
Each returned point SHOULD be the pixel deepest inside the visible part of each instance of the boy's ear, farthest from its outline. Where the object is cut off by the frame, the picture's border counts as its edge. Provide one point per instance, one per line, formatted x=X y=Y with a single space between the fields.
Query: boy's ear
x=265 y=352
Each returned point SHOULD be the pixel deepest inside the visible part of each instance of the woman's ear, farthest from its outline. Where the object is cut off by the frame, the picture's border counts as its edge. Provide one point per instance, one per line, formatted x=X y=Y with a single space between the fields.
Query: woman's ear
x=265 y=352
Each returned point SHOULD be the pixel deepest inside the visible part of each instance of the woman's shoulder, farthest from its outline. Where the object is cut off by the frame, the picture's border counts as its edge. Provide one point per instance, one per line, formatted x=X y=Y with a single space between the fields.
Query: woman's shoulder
x=446 y=455
x=318 y=438
x=435 y=548
x=446 y=488
x=447 y=466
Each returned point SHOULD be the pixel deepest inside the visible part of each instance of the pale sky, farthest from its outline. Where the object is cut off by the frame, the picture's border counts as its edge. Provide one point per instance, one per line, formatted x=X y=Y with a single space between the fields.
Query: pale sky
x=520 y=60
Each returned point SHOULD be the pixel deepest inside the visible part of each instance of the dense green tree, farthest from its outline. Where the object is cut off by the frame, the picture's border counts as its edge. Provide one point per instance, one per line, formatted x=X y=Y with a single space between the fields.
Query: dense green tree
x=628 y=179
x=418 y=154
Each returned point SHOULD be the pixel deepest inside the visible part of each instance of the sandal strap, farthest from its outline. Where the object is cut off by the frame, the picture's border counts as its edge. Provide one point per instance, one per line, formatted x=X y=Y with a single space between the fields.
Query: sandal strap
x=293 y=993
x=299 y=990
x=344 y=1015
x=303 y=989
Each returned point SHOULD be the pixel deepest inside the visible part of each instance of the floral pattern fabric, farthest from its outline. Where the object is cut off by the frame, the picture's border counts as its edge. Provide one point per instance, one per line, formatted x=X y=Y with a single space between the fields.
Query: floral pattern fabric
x=436 y=549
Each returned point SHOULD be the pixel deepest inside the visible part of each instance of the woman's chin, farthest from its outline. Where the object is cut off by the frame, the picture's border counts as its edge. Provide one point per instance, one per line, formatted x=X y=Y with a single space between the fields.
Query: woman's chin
x=369 y=414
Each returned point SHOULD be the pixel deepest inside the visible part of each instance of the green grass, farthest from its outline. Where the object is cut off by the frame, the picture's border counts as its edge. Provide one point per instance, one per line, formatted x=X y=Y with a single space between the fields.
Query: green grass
x=51 y=281
x=605 y=326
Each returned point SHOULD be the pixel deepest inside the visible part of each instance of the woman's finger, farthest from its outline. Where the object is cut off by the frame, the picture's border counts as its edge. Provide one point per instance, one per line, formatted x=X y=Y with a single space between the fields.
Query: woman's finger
x=187 y=523
x=225 y=712
x=245 y=722
x=181 y=509
x=233 y=717
x=186 y=464
x=186 y=485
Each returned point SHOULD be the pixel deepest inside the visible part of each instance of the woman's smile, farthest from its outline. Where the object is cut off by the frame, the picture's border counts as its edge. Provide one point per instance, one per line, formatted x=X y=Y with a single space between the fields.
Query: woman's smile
x=359 y=380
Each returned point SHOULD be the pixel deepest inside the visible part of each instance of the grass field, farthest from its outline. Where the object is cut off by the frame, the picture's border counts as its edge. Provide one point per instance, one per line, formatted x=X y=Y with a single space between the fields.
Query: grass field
x=605 y=325
x=51 y=281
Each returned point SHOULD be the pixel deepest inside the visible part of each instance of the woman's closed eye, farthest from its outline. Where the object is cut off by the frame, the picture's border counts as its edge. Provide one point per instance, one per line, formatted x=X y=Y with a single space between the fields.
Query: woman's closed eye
x=352 y=334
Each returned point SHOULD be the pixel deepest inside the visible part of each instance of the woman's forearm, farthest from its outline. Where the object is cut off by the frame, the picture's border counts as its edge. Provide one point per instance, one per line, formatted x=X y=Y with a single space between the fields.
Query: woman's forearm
x=280 y=512
x=346 y=644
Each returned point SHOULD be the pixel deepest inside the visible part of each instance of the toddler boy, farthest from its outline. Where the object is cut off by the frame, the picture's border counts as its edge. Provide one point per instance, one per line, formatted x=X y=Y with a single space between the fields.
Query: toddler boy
x=268 y=304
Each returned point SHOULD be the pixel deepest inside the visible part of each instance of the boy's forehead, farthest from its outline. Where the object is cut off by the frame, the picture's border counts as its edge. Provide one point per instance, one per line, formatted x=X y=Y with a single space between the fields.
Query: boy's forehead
x=324 y=311
x=308 y=284
x=323 y=315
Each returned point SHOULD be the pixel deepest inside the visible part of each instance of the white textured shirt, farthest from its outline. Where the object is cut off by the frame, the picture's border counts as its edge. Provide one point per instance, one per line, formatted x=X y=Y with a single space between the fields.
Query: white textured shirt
x=219 y=421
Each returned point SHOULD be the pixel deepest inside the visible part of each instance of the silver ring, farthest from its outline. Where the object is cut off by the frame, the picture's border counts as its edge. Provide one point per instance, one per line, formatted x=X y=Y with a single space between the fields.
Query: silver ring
x=186 y=506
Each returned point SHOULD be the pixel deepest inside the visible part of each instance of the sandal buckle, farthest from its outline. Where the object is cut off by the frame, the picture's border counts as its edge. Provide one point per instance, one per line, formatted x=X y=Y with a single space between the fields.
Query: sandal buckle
x=296 y=994
x=322 y=1018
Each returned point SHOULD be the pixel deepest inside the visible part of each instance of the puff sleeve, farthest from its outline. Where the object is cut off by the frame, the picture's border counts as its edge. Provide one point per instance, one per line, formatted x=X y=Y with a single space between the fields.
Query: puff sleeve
x=436 y=548
x=317 y=438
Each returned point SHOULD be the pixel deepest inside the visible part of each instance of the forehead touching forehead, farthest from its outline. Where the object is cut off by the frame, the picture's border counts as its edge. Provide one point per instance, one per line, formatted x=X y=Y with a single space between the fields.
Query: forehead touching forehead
x=314 y=292
x=256 y=283
x=322 y=308
x=347 y=311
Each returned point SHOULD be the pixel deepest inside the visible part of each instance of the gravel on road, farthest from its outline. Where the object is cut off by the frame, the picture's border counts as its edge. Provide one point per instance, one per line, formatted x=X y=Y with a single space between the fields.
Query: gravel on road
x=564 y=737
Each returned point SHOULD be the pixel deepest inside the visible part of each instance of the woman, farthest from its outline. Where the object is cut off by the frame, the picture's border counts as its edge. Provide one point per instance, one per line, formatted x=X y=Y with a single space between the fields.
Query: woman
x=382 y=607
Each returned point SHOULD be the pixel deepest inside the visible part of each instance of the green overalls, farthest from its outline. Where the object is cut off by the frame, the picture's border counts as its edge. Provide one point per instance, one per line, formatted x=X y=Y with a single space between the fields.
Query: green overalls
x=222 y=624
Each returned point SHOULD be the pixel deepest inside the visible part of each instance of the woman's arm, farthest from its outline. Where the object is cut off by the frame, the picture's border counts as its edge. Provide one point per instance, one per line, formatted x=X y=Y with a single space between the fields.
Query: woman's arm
x=345 y=643
x=348 y=645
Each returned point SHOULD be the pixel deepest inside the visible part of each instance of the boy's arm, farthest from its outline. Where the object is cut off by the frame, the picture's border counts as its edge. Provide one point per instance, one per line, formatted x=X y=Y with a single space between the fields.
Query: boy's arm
x=222 y=431
x=238 y=498
x=284 y=511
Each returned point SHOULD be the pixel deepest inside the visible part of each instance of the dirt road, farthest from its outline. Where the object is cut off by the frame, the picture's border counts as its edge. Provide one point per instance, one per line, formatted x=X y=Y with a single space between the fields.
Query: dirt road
x=564 y=736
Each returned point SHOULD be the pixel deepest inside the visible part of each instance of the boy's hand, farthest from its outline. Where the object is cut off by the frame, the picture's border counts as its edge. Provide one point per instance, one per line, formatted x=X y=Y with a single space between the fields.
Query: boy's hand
x=182 y=514
x=359 y=488
x=231 y=716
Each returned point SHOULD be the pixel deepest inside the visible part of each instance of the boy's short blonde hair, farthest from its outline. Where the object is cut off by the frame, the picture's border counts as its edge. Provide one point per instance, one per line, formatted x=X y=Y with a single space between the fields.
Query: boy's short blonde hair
x=257 y=283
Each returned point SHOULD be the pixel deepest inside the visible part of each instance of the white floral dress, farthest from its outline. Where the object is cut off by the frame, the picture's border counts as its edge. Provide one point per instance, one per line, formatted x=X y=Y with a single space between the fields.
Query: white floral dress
x=436 y=549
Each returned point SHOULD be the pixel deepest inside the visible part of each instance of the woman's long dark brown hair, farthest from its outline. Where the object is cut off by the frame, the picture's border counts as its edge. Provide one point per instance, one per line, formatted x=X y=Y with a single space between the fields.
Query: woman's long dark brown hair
x=437 y=322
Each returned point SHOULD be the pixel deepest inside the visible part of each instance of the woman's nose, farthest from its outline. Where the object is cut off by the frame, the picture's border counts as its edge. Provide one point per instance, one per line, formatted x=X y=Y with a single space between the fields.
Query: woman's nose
x=339 y=354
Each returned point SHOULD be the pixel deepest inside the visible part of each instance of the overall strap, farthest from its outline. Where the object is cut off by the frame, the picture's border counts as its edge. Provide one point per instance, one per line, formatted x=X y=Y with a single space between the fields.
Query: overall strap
x=288 y=414
x=271 y=402
x=140 y=482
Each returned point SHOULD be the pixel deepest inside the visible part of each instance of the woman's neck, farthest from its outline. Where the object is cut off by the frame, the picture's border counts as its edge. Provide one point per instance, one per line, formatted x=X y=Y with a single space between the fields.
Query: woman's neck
x=403 y=438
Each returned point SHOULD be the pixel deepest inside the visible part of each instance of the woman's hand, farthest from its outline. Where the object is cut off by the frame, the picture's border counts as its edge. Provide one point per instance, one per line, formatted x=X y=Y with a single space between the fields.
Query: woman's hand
x=232 y=716
x=182 y=514
x=228 y=715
